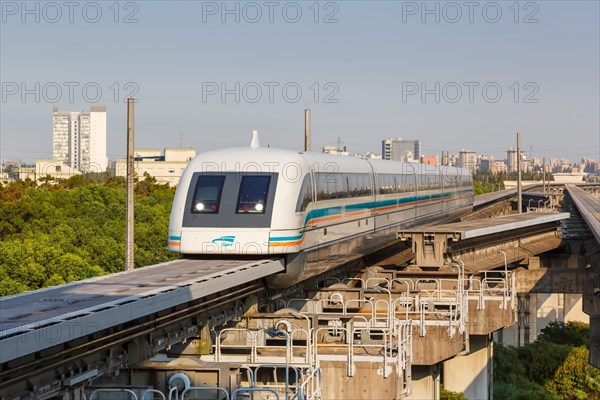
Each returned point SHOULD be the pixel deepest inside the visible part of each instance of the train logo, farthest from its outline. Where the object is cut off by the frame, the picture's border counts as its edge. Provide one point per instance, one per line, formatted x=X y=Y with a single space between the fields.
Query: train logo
x=226 y=241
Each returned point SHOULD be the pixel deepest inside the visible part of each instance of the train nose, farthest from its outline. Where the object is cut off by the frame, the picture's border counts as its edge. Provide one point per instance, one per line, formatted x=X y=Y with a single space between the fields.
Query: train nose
x=230 y=241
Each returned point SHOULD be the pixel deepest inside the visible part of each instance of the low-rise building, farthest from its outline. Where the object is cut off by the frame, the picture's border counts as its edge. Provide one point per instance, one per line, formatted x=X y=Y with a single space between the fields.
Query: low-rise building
x=53 y=168
x=166 y=167
x=335 y=150
x=430 y=160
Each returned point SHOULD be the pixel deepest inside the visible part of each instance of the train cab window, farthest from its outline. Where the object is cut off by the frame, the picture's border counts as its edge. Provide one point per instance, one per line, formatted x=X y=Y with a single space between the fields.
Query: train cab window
x=254 y=190
x=207 y=195
x=305 y=197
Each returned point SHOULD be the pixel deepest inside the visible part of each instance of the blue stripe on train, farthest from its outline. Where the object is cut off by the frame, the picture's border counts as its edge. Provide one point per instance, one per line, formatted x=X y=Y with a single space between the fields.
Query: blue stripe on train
x=324 y=212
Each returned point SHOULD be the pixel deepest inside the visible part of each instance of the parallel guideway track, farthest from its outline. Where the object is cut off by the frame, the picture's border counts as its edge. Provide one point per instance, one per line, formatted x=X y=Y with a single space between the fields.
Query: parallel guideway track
x=589 y=208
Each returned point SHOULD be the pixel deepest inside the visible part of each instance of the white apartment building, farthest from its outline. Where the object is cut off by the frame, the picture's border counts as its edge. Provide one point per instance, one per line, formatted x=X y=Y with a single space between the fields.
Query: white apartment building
x=467 y=159
x=401 y=150
x=511 y=161
x=79 y=139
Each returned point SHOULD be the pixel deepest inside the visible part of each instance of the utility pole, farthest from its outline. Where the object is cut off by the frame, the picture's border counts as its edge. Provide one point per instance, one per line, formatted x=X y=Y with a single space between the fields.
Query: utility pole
x=307 y=132
x=519 y=193
x=129 y=244
x=544 y=174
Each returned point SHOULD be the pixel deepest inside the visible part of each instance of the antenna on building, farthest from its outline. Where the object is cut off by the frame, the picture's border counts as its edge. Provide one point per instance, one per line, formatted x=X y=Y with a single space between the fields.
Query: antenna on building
x=544 y=175
x=181 y=140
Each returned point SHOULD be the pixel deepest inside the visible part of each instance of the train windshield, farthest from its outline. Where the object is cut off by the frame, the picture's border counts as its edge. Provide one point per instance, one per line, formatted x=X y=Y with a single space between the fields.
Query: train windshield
x=253 y=194
x=207 y=196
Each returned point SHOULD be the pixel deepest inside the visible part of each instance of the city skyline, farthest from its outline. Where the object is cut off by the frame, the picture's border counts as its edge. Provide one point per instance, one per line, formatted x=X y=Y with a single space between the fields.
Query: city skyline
x=101 y=109
x=433 y=80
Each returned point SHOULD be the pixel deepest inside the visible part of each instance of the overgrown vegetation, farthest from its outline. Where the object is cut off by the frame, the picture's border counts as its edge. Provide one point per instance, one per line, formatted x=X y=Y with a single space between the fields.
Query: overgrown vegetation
x=56 y=232
x=485 y=182
x=450 y=395
x=553 y=367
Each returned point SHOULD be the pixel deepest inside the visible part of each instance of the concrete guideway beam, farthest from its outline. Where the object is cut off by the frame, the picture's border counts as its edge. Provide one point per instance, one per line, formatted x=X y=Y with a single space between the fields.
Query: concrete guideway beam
x=477 y=242
x=20 y=339
x=589 y=208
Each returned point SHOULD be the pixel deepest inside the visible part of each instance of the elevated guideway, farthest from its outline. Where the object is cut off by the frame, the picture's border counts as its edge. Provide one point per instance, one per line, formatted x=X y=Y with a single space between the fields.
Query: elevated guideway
x=487 y=198
x=33 y=321
x=588 y=206
x=106 y=331
x=493 y=204
x=479 y=244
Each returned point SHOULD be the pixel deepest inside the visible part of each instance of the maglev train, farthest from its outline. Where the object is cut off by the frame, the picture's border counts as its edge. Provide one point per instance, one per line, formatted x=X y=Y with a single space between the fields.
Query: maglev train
x=317 y=211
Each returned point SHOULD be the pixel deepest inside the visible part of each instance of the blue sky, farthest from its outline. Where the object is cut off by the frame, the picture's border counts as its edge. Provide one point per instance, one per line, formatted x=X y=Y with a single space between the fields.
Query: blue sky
x=362 y=73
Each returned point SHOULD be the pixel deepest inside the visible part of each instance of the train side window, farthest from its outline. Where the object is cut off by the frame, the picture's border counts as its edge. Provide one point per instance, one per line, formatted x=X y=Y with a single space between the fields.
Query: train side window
x=322 y=193
x=207 y=195
x=400 y=183
x=365 y=188
x=386 y=184
x=254 y=190
x=305 y=197
x=353 y=189
x=339 y=188
x=329 y=186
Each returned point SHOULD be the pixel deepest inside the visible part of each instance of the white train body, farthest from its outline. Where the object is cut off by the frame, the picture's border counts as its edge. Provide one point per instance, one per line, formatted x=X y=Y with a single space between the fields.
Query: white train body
x=318 y=210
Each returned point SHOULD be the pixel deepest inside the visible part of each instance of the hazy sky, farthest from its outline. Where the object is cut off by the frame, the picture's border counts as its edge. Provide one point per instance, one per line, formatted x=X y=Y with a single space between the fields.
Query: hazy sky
x=452 y=74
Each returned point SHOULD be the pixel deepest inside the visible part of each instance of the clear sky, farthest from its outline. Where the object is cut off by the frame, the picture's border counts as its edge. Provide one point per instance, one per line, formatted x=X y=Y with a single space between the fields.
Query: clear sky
x=369 y=70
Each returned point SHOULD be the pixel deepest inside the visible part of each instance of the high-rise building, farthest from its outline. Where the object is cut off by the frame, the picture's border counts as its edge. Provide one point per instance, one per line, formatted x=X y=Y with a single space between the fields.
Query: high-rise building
x=401 y=150
x=467 y=159
x=79 y=139
x=511 y=160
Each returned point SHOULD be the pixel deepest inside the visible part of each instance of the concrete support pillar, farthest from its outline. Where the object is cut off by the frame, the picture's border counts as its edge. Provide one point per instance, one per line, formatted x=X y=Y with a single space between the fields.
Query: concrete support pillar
x=471 y=373
x=574 y=308
x=425 y=382
x=534 y=305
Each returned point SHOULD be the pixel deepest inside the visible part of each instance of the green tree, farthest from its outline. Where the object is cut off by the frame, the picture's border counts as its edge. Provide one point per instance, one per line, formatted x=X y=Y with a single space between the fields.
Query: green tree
x=575 y=378
x=573 y=333
x=450 y=395
x=485 y=182
x=75 y=229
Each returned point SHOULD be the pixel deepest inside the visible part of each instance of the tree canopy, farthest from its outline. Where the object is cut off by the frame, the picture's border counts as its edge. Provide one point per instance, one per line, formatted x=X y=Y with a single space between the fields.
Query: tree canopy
x=56 y=232
x=555 y=366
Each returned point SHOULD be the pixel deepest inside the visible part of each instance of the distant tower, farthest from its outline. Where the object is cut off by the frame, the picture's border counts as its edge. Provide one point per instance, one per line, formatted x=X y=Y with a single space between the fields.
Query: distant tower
x=399 y=149
x=467 y=159
x=512 y=162
x=79 y=139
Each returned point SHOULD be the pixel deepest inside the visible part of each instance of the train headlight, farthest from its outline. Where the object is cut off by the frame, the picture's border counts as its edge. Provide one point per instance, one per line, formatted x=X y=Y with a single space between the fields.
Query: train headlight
x=259 y=207
x=199 y=207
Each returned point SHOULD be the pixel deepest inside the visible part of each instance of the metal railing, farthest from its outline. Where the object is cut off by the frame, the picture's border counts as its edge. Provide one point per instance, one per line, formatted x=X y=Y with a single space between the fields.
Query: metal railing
x=492 y=286
x=253 y=344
